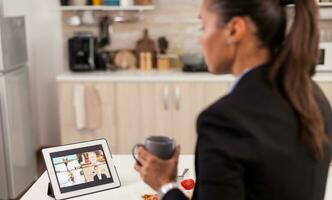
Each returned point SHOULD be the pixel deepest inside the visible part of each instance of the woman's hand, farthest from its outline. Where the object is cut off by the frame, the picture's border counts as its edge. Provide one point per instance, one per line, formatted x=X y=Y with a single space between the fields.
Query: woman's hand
x=154 y=171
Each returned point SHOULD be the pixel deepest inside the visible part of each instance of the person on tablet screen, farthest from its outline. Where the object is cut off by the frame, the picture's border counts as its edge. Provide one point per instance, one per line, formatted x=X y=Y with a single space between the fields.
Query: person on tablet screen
x=71 y=180
x=99 y=176
x=66 y=165
x=93 y=158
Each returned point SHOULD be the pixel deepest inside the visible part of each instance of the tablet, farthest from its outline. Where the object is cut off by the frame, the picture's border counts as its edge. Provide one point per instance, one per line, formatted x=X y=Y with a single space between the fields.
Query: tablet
x=81 y=168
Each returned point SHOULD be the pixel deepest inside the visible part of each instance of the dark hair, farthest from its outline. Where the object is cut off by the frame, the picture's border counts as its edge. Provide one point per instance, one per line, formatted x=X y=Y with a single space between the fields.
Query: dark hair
x=294 y=56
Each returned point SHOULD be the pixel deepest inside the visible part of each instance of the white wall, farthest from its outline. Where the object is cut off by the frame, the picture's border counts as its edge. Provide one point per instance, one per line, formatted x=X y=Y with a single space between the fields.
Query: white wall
x=46 y=61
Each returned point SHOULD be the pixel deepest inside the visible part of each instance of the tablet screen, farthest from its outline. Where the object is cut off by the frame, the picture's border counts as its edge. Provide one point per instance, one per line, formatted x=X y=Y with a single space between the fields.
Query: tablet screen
x=81 y=168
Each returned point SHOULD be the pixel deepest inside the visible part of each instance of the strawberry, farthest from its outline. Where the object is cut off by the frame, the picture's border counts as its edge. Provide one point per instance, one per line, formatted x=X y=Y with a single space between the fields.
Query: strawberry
x=188 y=184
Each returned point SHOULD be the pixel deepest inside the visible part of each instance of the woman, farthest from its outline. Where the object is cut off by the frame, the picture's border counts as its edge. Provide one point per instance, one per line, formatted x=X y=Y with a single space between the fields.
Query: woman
x=269 y=137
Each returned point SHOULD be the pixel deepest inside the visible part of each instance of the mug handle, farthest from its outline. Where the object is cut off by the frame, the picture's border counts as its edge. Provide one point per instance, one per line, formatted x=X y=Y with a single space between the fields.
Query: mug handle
x=133 y=152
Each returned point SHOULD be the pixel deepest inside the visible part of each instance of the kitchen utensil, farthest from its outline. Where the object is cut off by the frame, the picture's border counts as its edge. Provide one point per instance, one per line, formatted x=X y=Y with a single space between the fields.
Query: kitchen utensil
x=125 y=59
x=64 y=2
x=192 y=59
x=143 y=2
x=165 y=61
x=103 y=61
x=126 y=3
x=74 y=20
x=193 y=63
x=78 y=2
x=144 y=48
x=163 y=45
x=88 y=18
x=105 y=35
x=185 y=171
x=161 y=146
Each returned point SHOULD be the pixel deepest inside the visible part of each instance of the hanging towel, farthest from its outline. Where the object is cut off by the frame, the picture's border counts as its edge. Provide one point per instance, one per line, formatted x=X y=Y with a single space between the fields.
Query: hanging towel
x=87 y=105
x=92 y=108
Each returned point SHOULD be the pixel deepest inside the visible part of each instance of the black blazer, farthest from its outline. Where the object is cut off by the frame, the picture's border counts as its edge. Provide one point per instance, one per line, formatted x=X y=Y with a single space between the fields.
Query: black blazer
x=249 y=147
x=103 y=178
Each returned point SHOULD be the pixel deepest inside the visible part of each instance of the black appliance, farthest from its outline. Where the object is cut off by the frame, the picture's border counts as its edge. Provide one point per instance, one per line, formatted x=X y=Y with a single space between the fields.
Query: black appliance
x=83 y=53
x=195 y=68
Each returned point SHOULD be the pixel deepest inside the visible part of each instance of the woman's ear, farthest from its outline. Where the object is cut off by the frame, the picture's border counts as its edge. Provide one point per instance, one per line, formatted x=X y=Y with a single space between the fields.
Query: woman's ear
x=235 y=30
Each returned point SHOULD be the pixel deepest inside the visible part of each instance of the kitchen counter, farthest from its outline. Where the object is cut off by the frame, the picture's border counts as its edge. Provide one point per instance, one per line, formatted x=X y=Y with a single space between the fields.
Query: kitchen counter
x=128 y=76
x=152 y=76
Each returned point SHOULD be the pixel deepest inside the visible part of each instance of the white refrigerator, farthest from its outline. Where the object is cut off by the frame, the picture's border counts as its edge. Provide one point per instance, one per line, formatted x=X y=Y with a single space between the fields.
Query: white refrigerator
x=17 y=139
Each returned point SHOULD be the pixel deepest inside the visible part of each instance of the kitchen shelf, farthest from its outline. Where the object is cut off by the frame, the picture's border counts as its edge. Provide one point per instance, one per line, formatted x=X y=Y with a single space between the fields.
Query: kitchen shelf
x=325 y=5
x=325 y=10
x=107 y=8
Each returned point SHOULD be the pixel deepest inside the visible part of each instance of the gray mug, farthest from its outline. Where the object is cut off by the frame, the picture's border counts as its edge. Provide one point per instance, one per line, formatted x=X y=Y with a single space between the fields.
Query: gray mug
x=161 y=146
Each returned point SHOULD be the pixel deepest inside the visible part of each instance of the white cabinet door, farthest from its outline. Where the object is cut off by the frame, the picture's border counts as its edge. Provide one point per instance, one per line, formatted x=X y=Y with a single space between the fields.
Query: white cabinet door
x=188 y=104
x=155 y=101
x=12 y=8
x=190 y=99
x=19 y=138
x=327 y=89
x=142 y=110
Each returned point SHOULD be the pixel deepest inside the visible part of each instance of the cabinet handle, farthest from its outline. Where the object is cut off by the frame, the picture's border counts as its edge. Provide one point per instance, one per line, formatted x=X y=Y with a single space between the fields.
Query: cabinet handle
x=177 y=97
x=166 y=97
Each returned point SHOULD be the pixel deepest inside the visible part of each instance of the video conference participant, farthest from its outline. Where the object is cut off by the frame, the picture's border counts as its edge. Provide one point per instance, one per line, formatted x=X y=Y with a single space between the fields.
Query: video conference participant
x=67 y=166
x=99 y=177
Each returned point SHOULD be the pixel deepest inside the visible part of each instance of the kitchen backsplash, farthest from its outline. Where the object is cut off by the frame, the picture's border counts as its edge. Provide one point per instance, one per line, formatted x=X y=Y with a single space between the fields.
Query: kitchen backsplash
x=174 y=19
x=326 y=30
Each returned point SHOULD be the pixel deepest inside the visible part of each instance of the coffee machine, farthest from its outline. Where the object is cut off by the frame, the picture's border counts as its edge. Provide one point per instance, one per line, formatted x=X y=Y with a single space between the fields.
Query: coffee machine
x=83 y=53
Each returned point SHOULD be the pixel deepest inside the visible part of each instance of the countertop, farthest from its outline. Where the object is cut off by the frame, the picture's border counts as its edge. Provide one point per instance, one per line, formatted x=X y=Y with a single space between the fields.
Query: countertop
x=161 y=76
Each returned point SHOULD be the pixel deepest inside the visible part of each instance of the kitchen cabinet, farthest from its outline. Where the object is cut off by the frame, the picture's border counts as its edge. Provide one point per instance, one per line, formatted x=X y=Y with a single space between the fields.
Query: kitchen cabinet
x=142 y=109
x=157 y=108
x=69 y=131
x=11 y=8
x=190 y=99
x=132 y=111
x=327 y=89
x=135 y=107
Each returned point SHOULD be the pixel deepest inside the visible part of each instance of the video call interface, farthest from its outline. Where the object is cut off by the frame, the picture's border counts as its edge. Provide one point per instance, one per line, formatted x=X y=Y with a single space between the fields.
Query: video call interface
x=81 y=168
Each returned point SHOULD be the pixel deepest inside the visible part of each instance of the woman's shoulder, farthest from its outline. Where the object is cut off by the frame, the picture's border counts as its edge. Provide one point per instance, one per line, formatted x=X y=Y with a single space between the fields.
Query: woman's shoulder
x=224 y=109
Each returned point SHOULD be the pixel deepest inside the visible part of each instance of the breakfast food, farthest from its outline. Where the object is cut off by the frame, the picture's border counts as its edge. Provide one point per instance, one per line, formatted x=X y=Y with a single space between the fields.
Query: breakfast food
x=150 y=197
x=188 y=184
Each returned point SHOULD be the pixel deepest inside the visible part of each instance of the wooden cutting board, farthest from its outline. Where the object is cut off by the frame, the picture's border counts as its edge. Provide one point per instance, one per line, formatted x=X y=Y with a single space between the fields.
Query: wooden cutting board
x=144 y=45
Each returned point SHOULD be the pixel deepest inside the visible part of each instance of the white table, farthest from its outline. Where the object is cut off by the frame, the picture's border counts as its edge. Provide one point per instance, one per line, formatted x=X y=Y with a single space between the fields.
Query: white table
x=132 y=187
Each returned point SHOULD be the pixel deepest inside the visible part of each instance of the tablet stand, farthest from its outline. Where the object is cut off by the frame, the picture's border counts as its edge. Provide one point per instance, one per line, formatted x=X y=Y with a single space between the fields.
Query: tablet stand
x=50 y=190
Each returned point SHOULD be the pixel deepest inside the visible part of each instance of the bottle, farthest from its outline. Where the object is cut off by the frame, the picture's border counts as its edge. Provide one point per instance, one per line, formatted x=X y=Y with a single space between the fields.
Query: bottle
x=97 y=2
